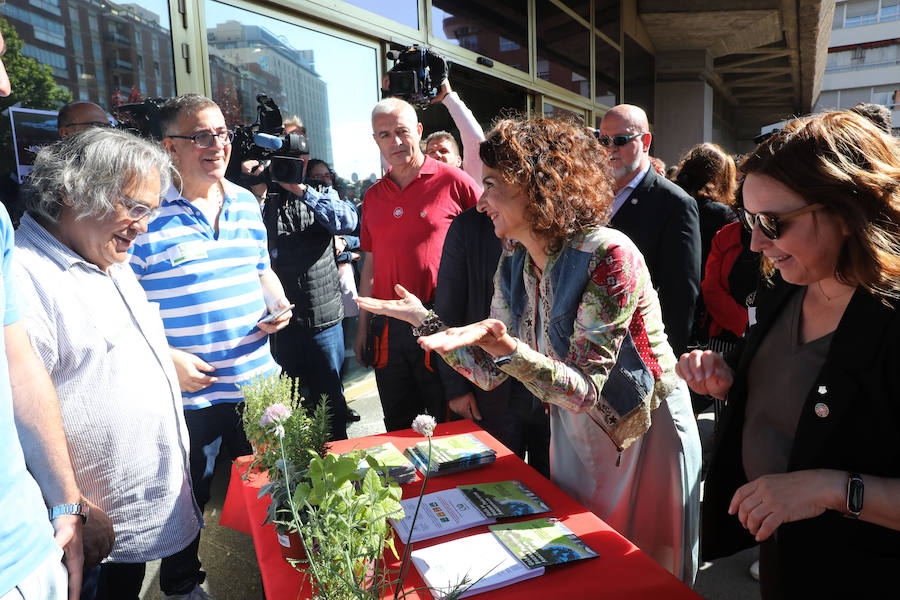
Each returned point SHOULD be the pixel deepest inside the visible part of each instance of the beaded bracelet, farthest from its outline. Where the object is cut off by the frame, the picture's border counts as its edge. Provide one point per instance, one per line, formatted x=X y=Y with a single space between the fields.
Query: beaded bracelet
x=430 y=324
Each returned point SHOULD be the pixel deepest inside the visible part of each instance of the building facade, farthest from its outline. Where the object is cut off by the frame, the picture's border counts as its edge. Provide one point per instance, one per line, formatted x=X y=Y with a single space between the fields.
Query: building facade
x=863 y=62
x=703 y=71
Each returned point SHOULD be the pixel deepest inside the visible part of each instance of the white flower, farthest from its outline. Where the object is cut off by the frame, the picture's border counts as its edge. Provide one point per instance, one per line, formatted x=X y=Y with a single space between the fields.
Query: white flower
x=424 y=424
x=275 y=415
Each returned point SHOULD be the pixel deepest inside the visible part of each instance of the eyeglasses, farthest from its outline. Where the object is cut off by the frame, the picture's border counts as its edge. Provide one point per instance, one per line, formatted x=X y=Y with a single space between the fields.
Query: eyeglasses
x=205 y=139
x=89 y=124
x=616 y=140
x=135 y=210
x=770 y=224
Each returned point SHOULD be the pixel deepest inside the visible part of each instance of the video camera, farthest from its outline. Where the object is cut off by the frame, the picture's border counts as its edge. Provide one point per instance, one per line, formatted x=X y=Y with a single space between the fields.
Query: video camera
x=141 y=118
x=266 y=141
x=417 y=75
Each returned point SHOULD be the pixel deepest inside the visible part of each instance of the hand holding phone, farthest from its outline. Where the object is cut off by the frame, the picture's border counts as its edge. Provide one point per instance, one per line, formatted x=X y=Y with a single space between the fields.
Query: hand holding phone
x=269 y=318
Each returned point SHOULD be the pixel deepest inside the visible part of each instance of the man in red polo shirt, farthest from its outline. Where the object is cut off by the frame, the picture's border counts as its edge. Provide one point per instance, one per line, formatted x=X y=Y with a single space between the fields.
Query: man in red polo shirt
x=405 y=218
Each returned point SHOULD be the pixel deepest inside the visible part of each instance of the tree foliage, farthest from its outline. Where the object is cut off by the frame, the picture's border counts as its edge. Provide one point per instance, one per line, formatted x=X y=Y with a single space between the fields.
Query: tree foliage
x=32 y=83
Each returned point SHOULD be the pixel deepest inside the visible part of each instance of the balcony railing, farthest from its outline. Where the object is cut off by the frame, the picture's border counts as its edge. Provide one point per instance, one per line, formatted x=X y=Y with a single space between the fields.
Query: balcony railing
x=864 y=65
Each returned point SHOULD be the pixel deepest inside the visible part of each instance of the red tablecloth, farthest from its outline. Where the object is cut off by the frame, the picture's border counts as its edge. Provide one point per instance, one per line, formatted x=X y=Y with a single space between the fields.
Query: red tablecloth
x=621 y=570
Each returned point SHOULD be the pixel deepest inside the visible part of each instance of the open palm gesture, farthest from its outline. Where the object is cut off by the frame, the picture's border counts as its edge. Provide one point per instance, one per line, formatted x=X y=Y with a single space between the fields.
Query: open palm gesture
x=488 y=335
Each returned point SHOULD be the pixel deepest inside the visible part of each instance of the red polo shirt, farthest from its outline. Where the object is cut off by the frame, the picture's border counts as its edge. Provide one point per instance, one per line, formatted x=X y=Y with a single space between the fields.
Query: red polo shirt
x=405 y=229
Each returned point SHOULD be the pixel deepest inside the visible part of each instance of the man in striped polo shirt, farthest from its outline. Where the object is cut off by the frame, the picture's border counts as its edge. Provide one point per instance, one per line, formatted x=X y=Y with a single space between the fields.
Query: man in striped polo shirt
x=205 y=261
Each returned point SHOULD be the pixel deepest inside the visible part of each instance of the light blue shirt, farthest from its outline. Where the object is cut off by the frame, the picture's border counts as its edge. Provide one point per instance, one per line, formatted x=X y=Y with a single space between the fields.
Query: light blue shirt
x=26 y=536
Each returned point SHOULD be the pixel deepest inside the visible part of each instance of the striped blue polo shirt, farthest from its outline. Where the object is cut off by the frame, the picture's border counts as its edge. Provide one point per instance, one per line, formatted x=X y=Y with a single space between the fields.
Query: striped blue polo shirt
x=208 y=288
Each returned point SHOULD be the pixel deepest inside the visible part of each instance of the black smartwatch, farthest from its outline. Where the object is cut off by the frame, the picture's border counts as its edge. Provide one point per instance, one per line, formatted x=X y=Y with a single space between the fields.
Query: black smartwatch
x=855 y=489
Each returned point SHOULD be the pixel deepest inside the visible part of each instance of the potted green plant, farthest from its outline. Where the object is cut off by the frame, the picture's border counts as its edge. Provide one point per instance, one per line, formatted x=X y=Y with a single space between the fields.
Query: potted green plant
x=284 y=438
x=342 y=518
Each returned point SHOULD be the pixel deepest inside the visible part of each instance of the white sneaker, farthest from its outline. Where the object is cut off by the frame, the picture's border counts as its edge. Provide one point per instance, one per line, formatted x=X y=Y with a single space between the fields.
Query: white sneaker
x=198 y=593
x=754 y=570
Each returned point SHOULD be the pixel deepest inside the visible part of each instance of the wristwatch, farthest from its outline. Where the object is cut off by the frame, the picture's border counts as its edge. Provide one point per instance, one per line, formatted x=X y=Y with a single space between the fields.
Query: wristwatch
x=82 y=509
x=855 y=489
x=505 y=360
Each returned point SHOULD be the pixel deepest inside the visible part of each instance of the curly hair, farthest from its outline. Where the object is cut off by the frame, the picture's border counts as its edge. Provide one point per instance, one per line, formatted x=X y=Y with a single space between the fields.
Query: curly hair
x=562 y=168
x=707 y=172
x=90 y=170
x=845 y=162
x=877 y=113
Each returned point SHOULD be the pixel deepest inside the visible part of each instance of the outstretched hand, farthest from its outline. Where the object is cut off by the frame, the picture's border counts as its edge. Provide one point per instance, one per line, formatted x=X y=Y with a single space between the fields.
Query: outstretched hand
x=490 y=335
x=408 y=308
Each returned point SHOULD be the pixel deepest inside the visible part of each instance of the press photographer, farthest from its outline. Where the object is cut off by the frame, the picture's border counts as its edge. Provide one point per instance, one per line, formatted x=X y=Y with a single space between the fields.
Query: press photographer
x=302 y=220
x=265 y=153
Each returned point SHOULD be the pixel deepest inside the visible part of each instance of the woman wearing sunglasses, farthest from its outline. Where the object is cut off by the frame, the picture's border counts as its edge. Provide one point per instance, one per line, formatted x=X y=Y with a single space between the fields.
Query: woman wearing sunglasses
x=575 y=318
x=808 y=456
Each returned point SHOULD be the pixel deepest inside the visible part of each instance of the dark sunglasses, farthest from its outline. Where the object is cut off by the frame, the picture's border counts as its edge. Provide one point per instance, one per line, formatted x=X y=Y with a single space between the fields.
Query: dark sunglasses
x=616 y=140
x=770 y=224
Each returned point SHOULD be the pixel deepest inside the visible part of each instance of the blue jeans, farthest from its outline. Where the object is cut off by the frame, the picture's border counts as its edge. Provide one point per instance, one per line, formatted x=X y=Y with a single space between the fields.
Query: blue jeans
x=316 y=359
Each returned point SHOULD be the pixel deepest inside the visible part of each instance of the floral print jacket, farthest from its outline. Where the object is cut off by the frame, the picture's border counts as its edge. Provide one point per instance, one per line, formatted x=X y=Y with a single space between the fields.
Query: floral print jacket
x=567 y=356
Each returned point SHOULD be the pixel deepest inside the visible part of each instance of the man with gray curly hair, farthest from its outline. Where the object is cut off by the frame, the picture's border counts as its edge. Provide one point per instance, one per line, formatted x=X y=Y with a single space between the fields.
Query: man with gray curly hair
x=104 y=347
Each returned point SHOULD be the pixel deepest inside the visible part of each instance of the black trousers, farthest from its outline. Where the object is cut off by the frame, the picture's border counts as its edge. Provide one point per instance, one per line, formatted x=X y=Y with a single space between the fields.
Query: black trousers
x=178 y=574
x=408 y=384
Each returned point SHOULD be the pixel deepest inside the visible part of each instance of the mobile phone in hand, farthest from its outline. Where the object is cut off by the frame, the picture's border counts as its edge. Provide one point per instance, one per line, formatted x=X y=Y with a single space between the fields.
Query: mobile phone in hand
x=275 y=316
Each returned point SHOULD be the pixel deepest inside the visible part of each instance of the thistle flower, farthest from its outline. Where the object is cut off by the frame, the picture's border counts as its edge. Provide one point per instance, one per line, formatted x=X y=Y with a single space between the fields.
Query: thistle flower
x=275 y=415
x=424 y=425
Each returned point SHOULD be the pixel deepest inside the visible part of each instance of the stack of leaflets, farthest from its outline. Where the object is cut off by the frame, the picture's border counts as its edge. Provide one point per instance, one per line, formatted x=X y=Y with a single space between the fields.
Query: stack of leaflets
x=396 y=465
x=508 y=554
x=466 y=506
x=451 y=454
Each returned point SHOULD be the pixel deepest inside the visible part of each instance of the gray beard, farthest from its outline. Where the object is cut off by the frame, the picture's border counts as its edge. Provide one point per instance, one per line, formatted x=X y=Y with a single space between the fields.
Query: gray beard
x=625 y=170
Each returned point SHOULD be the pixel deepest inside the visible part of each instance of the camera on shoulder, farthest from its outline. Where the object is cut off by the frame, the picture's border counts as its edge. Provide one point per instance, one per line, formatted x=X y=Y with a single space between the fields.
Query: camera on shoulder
x=266 y=141
x=416 y=75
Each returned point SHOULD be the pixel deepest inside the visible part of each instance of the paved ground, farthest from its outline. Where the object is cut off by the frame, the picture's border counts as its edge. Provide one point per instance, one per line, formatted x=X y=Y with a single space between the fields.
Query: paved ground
x=230 y=562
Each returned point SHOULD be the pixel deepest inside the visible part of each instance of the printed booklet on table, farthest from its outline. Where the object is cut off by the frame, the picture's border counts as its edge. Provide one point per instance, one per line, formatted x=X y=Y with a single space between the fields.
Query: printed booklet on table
x=451 y=454
x=387 y=454
x=508 y=554
x=542 y=542
x=466 y=506
x=480 y=562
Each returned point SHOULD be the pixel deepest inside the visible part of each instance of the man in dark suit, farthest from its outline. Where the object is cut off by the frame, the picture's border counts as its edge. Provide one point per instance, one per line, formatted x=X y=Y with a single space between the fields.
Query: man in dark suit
x=659 y=217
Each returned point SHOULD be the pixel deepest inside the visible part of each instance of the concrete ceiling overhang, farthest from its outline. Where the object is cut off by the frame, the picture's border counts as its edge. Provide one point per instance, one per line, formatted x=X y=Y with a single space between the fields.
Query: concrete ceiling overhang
x=766 y=58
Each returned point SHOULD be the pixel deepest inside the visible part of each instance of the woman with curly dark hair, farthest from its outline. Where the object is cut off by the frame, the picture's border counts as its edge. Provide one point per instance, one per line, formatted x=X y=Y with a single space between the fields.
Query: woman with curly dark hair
x=575 y=318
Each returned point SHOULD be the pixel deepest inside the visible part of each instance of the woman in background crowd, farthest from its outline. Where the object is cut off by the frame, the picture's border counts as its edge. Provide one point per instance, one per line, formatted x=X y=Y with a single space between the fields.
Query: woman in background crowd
x=573 y=310
x=811 y=431
x=707 y=174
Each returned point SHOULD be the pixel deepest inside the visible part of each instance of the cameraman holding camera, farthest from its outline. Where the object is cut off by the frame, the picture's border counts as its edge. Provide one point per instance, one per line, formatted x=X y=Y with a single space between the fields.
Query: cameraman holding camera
x=302 y=220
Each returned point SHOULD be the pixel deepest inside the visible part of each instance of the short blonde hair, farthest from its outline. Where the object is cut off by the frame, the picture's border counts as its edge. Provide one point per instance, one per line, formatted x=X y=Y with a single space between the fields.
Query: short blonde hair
x=294 y=122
